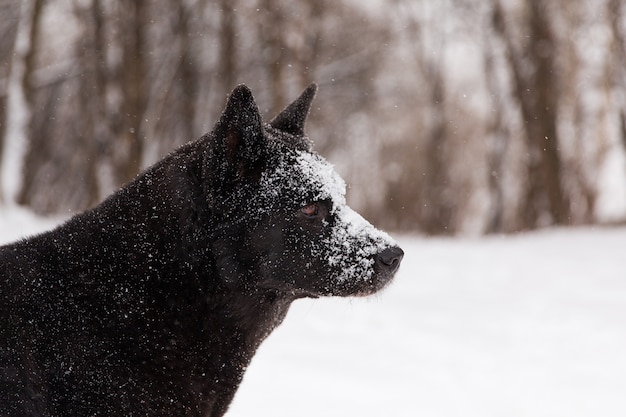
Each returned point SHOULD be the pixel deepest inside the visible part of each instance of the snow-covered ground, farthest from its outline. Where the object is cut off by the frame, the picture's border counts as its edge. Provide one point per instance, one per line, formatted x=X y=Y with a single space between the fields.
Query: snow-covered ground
x=528 y=325
x=531 y=325
x=16 y=223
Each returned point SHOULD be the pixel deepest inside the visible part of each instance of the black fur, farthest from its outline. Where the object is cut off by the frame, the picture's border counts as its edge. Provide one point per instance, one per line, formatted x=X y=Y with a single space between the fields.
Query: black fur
x=154 y=302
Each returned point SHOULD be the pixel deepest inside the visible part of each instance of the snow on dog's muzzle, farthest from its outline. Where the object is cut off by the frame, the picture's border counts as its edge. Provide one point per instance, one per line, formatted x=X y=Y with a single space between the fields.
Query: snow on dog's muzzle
x=366 y=258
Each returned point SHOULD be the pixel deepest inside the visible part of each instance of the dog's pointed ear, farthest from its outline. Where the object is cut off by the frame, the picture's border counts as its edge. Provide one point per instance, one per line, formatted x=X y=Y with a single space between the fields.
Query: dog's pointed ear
x=293 y=117
x=239 y=134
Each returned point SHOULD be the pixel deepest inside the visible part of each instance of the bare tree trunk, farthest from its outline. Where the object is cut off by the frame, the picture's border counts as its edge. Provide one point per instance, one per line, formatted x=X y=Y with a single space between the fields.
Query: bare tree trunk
x=188 y=72
x=436 y=212
x=134 y=89
x=227 y=62
x=618 y=53
x=498 y=134
x=92 y=51
x=310 y=51
x=537 y=93
x=433 y=209
x=8 y=30
x=271 y=35
x=543 y=50
x=25 y=59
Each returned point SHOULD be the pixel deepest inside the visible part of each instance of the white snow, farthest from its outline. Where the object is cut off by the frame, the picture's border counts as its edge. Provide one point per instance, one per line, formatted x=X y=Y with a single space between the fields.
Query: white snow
x=309 y=173
x=316 y=169
x=17 y=223
x=352 y=244
x=530 y=325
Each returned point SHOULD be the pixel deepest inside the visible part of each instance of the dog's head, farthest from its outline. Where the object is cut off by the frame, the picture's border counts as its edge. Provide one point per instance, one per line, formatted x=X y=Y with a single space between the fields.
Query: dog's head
x=283 y=221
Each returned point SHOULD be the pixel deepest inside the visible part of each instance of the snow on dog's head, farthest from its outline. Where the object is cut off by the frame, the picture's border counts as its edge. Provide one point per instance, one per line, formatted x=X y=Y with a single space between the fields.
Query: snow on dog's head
x=301 y=236
x=346 y=242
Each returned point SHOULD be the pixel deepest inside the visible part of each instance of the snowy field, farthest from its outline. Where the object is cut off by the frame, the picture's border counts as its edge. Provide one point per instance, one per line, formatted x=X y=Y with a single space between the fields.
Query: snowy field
x=530 y=325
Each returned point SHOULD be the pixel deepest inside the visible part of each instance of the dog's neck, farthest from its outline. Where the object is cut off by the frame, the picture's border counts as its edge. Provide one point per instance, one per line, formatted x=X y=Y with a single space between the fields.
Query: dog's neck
x=146 y=237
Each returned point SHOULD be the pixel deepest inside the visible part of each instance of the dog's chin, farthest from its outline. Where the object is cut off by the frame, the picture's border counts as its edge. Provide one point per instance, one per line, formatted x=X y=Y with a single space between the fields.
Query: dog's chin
x=363 y=288
x=380 y=279
x=378 y=283
x=356 y=286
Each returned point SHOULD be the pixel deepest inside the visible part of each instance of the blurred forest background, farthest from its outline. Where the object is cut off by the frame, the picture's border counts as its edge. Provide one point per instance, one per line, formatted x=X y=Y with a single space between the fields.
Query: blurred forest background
x=446 y=117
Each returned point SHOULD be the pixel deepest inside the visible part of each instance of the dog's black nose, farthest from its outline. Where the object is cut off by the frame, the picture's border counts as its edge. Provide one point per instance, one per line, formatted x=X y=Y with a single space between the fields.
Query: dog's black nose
x=390 y=257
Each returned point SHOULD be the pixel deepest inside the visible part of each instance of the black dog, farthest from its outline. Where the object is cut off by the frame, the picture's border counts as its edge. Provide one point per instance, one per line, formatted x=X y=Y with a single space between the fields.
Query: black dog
x=154 y=302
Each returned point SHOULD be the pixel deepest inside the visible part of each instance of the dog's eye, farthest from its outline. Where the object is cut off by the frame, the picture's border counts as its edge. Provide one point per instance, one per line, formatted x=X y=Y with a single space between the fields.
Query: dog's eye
x=310 y=210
